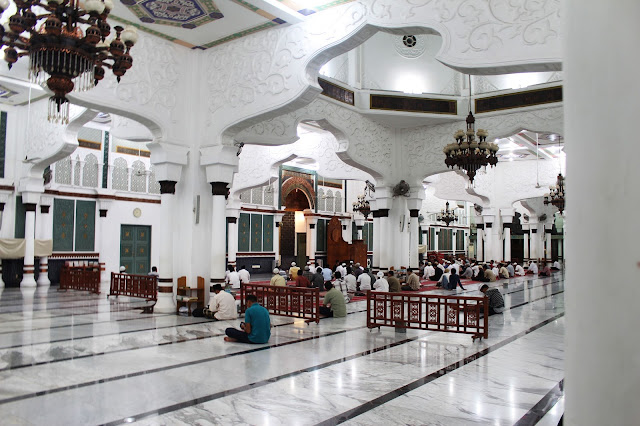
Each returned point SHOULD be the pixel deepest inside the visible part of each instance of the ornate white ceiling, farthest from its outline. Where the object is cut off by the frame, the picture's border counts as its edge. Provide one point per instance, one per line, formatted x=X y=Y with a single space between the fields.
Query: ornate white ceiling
x=201 y=24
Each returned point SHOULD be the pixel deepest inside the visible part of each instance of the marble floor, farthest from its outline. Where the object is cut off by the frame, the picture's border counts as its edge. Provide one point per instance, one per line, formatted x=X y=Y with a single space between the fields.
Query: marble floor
x=69 y=358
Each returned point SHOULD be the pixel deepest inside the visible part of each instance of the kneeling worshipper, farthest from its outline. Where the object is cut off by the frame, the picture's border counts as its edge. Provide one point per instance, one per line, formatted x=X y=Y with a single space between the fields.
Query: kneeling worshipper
x=277 y=279
x=556 y=265
x=334 y=303
x=519 y=269
x=503 y=272
x=256 y=327
x=222 y=306
x=496 y=301
x=546 y=271
x=413 y=282
x=381 y=283
x=428 y=271
x=533 y=268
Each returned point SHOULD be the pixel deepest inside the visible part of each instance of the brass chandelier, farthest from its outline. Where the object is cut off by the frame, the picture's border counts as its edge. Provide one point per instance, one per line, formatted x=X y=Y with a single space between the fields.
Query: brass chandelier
x=362 y=206
x=66 y=46
x=556 y=195
x=447 y=216
x=470 y=154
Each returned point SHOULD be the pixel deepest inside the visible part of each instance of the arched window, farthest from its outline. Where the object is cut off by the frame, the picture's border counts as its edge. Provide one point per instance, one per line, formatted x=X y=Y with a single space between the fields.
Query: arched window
x=120 y=174
x=63 y=171
x=338 y=202
x=256 y=196
x=90 y=171
x=329 y=201
x=154 y=185
x=138 y=177
x=321 y=200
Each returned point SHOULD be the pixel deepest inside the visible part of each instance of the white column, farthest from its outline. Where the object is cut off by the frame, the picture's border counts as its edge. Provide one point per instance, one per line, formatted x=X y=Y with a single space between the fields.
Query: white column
x=44 y=231
x=533 y=242
x=488 y=242
x=454 y=234
x=480 y=243
x=166 y=283
x=547 y=234
x=602 y=325
x=28 y=279
x=232 y=224
x=218 y=230
x=276 y=236
x=525 y=255
x=376 y=242
x=312 y=239
x=435 y=243
x=359 y=226
x=102 y=237
x=3 y=200
x=414 y=239
x=385 y=252
x=507 y=242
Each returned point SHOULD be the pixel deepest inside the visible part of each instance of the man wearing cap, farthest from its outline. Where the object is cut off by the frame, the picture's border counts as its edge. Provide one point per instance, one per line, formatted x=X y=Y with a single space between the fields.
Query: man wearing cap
x=222 y=306
x=318 y=280
x=342 y=268
x=307 y=273
x=364 y=281
x=428 y=271
x=293 y=271
x=381 y=283
x=277 y=279
x=519 y=269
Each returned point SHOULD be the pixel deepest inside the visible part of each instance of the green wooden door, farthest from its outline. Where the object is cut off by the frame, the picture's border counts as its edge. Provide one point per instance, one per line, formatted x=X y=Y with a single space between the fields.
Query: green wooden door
x=135 y=248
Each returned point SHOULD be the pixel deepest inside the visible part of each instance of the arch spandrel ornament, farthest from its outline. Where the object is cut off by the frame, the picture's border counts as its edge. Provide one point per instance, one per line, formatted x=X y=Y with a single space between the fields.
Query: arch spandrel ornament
x=263 y=75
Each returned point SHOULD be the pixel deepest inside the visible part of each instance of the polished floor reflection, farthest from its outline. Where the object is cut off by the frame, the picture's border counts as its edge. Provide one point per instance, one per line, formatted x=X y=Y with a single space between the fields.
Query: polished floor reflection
x=70 y=358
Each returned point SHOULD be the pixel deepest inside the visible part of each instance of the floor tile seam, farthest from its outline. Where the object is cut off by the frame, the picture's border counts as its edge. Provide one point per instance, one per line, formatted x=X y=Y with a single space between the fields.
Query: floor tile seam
x=105 y=335
x=239 y=389
x=389 y=396
x=130 y=349
x=71 y=308
x=169 y=367
x=127 y=349
x=538 y=411
x=82 y=324
x=56 y=305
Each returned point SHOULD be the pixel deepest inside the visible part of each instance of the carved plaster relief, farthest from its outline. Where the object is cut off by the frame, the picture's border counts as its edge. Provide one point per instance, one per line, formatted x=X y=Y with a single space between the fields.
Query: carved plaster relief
x=260 y=76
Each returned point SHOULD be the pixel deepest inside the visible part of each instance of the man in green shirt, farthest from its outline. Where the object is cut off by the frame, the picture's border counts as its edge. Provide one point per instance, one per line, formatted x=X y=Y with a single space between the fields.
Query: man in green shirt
x=334 y=304
x=394 y=284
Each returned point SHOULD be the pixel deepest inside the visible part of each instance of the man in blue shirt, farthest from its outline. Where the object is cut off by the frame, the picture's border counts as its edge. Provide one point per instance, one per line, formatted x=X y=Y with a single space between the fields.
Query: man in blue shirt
x=256 y=327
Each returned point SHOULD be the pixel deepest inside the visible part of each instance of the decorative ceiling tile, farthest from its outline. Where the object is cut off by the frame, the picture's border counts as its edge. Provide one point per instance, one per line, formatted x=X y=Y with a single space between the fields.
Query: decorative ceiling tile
x=187 y=14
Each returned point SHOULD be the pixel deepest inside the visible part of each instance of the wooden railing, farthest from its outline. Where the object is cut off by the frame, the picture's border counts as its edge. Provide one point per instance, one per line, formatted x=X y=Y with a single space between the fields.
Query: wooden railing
x=452 y=314
x=84 y=278
x=296 y=302
x=144 y=286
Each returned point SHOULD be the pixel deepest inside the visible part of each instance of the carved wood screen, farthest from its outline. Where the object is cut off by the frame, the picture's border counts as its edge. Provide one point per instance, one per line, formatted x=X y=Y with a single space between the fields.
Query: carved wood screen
x=338 y=250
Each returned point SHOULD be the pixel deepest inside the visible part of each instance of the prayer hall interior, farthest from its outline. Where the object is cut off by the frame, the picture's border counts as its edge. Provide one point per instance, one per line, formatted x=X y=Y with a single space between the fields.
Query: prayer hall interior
x=204 y=138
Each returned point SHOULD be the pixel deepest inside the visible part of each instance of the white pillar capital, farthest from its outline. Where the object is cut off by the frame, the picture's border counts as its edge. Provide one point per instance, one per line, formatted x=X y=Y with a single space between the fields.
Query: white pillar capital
x=167 y=160
x=220 y=162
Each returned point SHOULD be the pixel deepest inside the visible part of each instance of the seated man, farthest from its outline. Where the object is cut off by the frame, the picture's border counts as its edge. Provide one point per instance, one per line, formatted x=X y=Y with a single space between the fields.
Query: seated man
x=277 y=279
x=381 y=283
x=428 y=271
x=468 y=273
x=454 y=281
x=486 y=275
x=476 y=270
x=341 y=285
x=326 y=274
x=222 y=306
x=439 y=270
x=444 y=279
x=334 y=303
x=496 y=301
x=546 y=271
x=533 y=268
x=232 y=277
x=318 y=279
x=511 y=270
x=364 y=281
x=394 y=283
x=293 y=271
x=245 y=276
x=503 y=272
x=307 y=273
x=302 y=281
x=256 y=327
x=556 y=266
x=519 y=269
x=413 y=282
x=351 y=280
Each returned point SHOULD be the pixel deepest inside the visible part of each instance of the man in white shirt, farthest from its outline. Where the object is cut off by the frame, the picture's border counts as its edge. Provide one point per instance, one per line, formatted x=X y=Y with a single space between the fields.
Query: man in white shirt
x=342 y=269
x=365 y=282
x=381 y=283
x=556 y=266
x=519 y=270
x=533 y=268
x=476 y=270
x=428 y=271
x=222 y=306
x=245 y=276
x=495 y=270
x=350 y=281
x=232 y=278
